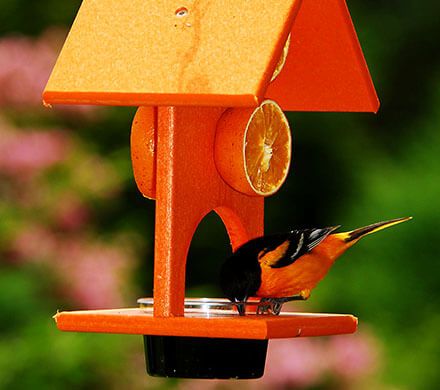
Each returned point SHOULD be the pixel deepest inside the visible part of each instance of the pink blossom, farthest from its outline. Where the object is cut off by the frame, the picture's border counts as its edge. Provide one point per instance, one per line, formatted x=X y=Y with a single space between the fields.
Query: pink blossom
x=296 y=362
x=208 y=384
x=34 y=243
x=30 y=152
x=354 y=356
x=25 y=67
x=94 y=275
x=304 y=363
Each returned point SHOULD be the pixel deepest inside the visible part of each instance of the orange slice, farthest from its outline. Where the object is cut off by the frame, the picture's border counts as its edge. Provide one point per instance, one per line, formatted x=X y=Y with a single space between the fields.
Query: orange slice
x=253 y=148
x=282 y=60
x=143 y=150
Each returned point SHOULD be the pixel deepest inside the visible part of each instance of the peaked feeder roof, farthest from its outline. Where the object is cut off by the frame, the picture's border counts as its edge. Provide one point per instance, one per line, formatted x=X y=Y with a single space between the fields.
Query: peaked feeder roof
x=212 y=53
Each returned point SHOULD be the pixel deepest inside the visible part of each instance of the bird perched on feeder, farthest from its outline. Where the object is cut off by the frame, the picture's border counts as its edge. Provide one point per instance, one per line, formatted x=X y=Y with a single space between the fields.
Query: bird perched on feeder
x=284 y=267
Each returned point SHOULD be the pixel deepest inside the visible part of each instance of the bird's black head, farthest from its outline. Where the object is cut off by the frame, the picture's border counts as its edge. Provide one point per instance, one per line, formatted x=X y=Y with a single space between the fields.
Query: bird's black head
x=240 y=276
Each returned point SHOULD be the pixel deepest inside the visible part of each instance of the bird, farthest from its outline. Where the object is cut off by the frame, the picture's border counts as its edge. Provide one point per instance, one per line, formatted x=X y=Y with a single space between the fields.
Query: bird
x=287 y=266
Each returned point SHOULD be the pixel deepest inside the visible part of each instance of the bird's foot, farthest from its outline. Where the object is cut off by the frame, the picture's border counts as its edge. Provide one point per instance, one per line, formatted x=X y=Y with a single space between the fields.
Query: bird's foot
x=274 y=305
x=266 y=306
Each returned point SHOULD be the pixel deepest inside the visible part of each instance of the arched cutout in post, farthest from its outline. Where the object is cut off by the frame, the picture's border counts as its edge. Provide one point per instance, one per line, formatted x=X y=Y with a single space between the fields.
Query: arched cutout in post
x=237 y=227
x=208 y=250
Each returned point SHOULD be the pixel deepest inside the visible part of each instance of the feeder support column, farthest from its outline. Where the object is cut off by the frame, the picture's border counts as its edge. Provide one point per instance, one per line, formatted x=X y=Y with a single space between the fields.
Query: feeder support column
x=188 y=187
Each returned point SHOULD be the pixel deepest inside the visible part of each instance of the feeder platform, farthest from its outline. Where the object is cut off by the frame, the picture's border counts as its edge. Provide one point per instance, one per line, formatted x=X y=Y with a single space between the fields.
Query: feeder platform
x=258 y=327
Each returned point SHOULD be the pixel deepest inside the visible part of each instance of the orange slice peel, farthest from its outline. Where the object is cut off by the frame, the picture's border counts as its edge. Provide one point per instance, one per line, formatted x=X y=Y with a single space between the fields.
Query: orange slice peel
x=143 y=151
x=253 y=149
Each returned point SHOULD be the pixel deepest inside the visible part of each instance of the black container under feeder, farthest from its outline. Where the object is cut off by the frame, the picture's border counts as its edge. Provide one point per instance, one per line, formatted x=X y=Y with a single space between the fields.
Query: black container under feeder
x=203 y=357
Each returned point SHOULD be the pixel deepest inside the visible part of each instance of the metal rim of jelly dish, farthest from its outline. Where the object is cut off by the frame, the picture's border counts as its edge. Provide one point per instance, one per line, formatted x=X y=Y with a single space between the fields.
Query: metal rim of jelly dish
x=207 y=307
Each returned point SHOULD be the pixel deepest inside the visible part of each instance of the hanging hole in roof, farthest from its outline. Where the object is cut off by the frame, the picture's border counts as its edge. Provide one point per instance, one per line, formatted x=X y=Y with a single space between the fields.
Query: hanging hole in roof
x=182 y=12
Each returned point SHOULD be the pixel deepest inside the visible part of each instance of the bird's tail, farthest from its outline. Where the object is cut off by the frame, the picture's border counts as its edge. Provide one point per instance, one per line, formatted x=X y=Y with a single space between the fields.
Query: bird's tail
x=357 y=234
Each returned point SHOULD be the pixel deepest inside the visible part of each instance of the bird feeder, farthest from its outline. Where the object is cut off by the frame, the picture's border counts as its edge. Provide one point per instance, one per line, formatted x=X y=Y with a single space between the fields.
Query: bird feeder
x=187 y=64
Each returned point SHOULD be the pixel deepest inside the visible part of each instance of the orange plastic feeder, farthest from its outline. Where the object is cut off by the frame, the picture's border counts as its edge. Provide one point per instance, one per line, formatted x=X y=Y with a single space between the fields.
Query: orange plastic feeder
x=188 y=65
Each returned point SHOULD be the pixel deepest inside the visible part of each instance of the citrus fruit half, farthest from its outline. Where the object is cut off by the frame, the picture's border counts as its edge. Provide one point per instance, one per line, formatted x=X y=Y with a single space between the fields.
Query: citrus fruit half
x=143 y=150
x=253 y=148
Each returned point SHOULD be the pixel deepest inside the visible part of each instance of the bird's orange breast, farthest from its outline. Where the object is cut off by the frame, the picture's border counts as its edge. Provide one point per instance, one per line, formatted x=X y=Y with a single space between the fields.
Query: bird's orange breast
x=303 y=274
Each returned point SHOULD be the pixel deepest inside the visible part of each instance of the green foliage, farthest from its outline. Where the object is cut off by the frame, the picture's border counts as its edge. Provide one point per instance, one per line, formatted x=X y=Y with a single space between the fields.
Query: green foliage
x=21 y=16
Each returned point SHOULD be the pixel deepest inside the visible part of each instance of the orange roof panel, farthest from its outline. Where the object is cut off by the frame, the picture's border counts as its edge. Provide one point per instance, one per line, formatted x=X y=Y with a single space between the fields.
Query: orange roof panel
x=186 y=52
x=325 y=69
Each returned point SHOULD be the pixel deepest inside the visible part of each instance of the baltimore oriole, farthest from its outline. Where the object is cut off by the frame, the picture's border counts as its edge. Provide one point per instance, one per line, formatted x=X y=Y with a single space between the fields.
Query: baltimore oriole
x=283 y=267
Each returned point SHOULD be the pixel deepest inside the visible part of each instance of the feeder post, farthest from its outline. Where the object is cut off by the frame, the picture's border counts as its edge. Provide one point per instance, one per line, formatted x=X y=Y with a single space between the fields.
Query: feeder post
x=188 y=187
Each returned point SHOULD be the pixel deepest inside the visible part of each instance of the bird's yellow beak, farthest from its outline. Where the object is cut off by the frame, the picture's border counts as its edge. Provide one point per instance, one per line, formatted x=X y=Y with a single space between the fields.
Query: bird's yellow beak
x=357 y=234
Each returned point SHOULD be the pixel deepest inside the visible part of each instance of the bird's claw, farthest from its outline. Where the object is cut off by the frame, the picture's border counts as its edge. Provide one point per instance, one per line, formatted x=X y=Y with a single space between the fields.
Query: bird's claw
x=263 y=306
x=274 y=305
x=270 y=306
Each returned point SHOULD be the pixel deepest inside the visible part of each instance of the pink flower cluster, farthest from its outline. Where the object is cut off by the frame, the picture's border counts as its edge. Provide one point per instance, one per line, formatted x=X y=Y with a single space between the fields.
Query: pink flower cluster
x=92 y=274
x=25 y=153
x=95 y=275
x=340 y=362
x=304 y=363
x=53 y=217
x=25 y=67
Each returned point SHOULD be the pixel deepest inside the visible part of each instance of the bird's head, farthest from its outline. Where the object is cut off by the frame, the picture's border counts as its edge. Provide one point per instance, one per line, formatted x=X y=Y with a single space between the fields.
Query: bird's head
x=240 y=277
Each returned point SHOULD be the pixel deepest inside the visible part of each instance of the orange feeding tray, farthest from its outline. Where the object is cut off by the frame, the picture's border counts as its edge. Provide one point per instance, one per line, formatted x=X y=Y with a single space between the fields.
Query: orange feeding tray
x=256 y=327
x=184 y=63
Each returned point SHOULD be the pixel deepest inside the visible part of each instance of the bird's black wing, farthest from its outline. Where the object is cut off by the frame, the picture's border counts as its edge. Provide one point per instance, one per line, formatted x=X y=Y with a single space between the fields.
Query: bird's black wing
x=240 y=276
x=293 y=246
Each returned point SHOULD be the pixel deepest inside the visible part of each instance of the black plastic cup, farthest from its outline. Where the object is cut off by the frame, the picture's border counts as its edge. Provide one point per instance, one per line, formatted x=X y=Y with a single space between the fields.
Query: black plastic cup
x=203 y=357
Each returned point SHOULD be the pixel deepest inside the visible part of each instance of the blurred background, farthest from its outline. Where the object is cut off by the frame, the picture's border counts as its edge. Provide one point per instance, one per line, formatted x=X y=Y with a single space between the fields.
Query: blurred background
x=75 y=233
